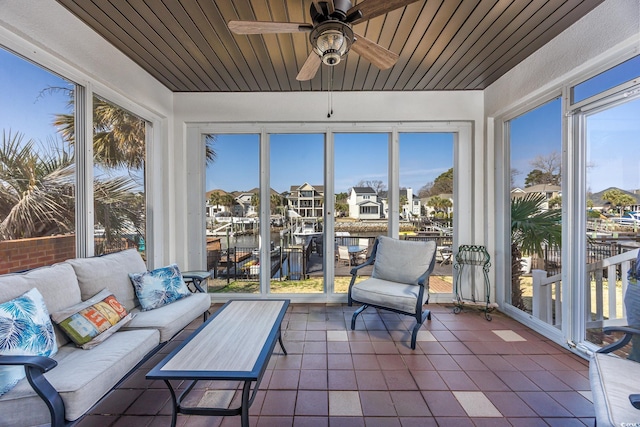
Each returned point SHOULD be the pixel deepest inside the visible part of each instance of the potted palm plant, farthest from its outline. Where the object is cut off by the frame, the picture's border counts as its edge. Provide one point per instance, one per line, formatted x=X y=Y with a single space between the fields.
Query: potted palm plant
x=532 y=229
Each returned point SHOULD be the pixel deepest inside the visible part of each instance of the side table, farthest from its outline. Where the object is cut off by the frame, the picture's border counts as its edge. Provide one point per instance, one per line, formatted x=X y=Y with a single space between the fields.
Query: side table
x=195 y=278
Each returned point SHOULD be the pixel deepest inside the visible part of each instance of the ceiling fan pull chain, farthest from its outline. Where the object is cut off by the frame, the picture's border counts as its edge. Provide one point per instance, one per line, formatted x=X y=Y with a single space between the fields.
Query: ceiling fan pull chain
x=329 y=93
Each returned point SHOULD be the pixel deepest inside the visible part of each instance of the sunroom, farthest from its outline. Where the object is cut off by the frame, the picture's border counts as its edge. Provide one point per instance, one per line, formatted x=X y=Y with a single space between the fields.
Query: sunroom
x=548 y=113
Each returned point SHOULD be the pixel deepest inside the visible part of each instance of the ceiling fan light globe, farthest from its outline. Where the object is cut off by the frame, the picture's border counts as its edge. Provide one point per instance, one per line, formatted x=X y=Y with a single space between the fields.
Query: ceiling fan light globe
x=332 y=40
x=331 y=58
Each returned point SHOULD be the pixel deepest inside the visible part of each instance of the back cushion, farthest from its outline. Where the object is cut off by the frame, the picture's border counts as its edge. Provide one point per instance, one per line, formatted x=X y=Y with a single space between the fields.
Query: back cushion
x=402 y=261
x=57 y=284
x=111 y=272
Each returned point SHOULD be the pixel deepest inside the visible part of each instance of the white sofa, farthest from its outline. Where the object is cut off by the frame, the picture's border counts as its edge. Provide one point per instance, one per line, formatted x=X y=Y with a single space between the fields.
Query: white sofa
x=77 y=378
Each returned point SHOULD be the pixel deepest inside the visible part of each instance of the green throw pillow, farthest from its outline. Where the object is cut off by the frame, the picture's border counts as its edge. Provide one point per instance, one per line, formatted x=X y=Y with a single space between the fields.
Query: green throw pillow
x=92 y=321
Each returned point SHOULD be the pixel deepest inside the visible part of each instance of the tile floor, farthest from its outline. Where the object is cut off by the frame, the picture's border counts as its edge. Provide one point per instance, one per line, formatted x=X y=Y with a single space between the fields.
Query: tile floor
x=465 y=371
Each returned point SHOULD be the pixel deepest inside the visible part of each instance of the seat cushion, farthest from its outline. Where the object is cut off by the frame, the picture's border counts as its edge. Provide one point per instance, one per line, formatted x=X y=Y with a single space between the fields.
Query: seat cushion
x=385 y=293
x=172 y=318
x=612 y=381
x=82 y=377
x=109 y=271
x=402 y=261
x=57 y=284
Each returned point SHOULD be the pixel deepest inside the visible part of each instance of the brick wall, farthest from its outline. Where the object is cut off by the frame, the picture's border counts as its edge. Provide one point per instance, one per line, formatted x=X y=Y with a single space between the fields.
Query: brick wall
x=23 y=254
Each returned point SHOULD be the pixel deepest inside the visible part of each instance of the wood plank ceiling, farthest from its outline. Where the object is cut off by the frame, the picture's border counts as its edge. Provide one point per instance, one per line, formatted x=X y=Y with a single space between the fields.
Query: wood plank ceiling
x=443 y=44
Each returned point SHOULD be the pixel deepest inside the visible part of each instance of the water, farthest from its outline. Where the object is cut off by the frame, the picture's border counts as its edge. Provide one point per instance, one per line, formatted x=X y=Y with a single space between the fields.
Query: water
x=248 y=241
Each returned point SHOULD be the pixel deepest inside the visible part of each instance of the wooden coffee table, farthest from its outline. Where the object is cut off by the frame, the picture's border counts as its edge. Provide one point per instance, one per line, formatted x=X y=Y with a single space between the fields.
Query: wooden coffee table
x=234 y=344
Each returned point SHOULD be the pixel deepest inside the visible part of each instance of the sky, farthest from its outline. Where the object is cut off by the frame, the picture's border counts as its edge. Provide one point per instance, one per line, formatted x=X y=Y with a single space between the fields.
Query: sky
x=299 y=158
x=612 y=137
x=24 y=108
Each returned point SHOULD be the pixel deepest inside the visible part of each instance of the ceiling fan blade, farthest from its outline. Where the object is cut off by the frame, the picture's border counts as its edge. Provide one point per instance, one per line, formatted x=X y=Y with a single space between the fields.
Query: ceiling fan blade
x=372 y=8
x=263 y=27
x=374 y=53
x=330 y=6
x=310 y=67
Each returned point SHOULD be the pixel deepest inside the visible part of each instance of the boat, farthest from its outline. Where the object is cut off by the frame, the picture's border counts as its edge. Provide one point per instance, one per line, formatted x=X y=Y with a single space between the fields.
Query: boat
x=308 y=228
x=631 y=219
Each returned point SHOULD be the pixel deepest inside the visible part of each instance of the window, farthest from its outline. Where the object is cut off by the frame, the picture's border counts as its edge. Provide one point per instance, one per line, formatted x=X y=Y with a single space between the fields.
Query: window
x=611 y=78
x=536 y=147
x=37 y=169
x=612 y=183
x=426 y=198
x=119 y=151
x=297 y=162
x=233 y=202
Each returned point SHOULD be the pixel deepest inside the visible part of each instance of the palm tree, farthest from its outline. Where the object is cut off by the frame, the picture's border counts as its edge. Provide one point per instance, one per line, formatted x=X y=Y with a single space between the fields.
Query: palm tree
x=119 y=136
x=37 y=191
x=215 y=199
x=532 y=229
x=439 y=204
x=276 y=201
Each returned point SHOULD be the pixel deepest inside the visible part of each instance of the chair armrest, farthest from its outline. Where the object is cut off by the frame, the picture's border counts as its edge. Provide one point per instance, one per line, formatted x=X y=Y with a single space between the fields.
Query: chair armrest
x=369 y=261
x=35 y=367
x=635 y=400
x=424 y=278
x=41 y=363
x=628 y=334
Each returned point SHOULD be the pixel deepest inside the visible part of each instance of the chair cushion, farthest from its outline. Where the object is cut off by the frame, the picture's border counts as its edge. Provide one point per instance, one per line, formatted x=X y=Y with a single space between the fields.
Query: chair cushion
x=25 y=330
x=385 y=293
x=92 y=321
x=109 y=271
x=612 y=380
x=402 y=261
x=159 y=287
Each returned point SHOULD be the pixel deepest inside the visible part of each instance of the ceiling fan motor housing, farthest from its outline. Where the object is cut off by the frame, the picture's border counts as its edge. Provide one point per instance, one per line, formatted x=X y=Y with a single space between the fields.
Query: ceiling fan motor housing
x=340 y=11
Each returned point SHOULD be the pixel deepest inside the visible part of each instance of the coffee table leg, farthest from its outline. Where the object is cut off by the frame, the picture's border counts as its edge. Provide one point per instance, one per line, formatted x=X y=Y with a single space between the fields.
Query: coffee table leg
x=245 y=404
x=280 y=341
x=174 y=403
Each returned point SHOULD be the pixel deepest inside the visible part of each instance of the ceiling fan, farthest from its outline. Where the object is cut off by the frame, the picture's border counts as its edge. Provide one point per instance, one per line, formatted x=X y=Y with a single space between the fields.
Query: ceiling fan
x=330 y=34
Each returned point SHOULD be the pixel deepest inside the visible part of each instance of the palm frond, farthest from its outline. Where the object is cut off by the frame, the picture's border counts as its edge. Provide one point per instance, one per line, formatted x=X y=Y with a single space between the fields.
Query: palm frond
x=532 y=227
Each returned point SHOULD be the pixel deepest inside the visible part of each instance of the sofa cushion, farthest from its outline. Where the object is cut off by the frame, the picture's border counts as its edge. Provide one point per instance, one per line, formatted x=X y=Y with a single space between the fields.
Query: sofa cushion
x=172 y=318
x=82 y=377
x=402 y=261
x=92 y=321
x=109 y=271
x=612 y=380
x=57 y=284
x=159 y=287
x=388 y=294
x=25 y=329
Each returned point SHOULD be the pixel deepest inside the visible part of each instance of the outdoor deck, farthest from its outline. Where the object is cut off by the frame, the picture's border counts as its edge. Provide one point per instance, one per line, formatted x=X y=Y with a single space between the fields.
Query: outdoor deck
x=465 y=371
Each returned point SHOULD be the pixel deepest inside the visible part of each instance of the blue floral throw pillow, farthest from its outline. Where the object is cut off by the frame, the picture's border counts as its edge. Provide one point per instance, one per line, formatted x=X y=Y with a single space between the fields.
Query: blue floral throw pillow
x=159 y=287
x=25 y=330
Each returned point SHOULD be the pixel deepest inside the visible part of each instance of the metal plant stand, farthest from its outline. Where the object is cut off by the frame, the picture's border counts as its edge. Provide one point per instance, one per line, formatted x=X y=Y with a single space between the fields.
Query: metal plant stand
x=468 y=259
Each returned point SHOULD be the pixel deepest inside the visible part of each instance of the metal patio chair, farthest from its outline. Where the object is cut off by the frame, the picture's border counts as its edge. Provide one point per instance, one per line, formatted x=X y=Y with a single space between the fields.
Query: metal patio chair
x=399 y=282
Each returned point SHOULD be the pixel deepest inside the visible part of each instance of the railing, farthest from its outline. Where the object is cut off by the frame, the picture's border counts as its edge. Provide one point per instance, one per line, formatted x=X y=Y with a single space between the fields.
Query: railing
x=606 y=283
x=242 y=264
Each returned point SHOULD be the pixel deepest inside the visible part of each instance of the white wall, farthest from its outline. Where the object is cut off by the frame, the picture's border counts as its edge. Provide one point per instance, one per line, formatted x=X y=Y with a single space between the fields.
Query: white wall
x=355 y=109
x=605 y=37
x=46 y=33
